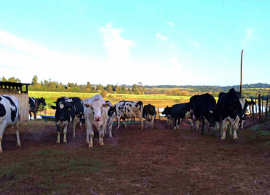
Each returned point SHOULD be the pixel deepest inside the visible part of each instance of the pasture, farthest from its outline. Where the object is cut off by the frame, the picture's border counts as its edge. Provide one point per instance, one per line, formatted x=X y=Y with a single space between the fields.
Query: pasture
x=160 y=161
x=159 y=100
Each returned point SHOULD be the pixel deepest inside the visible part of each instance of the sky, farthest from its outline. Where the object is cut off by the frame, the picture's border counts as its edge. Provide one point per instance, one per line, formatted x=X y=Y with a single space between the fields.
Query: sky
x=155 y=42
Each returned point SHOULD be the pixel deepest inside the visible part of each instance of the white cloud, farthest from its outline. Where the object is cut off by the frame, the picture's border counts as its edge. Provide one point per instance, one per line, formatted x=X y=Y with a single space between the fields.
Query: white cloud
x=161 y=37
x=116 y=46
x=170 y=24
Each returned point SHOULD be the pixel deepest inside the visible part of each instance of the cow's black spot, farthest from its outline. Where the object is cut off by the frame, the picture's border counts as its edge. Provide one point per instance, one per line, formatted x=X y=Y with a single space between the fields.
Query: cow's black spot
x=2 y=110
x=13 y=112
x=128 y=110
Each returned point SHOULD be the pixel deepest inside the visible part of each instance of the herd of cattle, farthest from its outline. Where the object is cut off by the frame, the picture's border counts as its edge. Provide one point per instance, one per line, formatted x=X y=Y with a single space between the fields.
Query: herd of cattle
x=228 y=111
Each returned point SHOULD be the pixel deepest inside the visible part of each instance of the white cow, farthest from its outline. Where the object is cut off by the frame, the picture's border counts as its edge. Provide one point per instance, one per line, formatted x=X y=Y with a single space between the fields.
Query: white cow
x=127 y=109
x=9 y=115
x=95 y=113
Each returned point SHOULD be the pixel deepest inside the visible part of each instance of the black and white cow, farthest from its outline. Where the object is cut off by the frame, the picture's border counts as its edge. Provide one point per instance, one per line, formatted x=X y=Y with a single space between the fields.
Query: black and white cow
x=229 y=110
x=202 y=108
x=95 y=113
x=167 y=113
x=179 y=112
x=9 y=115
x=68 y=110
x=127 y=110
x=111 y=116
x=34 y=104
x=149 y=113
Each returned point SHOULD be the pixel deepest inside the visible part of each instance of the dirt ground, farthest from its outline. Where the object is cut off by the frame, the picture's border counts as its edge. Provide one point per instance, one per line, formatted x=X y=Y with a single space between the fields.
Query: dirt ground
x=160 y=161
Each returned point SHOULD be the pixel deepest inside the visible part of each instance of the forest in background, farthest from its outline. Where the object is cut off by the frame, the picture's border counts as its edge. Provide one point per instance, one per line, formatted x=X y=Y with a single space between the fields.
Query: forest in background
x=249 y=90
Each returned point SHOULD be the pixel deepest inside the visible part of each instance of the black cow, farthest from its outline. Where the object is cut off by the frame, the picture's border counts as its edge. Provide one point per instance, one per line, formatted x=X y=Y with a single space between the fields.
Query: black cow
x=149 y=113
x=202 y=108
x=68 y=110
x=35 y=105
x=178 y=112
x=9 y=115
x=230 y=109
x=167 y=113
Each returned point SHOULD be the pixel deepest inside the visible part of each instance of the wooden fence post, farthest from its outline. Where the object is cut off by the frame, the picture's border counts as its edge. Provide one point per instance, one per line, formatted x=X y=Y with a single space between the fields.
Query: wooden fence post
x=266 y=110
x=259 y=104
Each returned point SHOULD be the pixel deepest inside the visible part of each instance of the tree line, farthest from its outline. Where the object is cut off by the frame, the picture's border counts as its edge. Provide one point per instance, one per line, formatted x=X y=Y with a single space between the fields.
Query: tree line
x=249 y=90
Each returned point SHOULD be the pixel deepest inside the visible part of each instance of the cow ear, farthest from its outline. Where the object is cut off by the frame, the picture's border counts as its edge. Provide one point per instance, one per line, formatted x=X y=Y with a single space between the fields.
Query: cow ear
x=53 y=107
x=87 y=105
x=106 y=105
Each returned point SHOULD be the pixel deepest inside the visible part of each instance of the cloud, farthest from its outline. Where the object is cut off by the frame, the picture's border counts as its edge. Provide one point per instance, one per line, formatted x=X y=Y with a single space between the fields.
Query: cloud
x=170 y=24
x=116 y=46
x=27 y=46
x=161 y=37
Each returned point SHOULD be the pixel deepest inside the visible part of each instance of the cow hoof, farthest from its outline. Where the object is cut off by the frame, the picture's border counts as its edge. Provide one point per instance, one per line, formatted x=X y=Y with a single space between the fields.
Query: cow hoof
x=74 y=136
x=90 y=145
x=58 y=142
x=101 y=144
x=235 y=137
x=18 y=145
x=65 y=142
x=223 y=138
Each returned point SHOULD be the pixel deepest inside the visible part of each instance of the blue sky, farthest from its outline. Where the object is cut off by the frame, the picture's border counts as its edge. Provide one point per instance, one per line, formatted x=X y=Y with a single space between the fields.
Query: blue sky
x=165 y=42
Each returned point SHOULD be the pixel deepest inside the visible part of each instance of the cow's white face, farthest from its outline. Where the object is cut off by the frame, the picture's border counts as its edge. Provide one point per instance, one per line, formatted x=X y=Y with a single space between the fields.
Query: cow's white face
x=97 y=108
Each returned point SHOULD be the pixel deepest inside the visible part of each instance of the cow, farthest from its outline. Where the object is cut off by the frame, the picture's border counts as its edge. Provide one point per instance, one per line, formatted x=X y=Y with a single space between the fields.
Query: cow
x=34 y=105
x=128 y=109
x=111 y=115
x=95 y=113
x=179 y=112
x=167 y=113
x=229 y=110
x=201 y=109
x=149 y=113
x=9 y=115
x=68 y=110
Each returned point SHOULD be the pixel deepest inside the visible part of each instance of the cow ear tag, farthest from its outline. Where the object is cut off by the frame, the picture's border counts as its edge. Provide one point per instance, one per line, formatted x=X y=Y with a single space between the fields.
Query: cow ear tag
x=68 y=108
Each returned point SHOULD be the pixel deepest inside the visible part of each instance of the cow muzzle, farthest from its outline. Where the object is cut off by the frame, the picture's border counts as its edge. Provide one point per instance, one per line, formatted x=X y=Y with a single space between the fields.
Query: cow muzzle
x=97 y=118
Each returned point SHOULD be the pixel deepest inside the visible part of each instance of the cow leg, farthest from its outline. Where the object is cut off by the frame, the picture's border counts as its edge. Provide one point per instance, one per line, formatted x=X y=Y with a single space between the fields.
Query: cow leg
x=35 y=115
x=110 y=129
x=124 y=122
x=141 y=119
x=74 y=126
x=17 y=125
x=197 y=123
x=118 y=121
x=30 y=114
x=230 y=129
x=235 y=127
x=203 y=125
x=58 y=134
x=101 y=135
x=174 y=123
x=225 y=123
x=242 y=124
x=2 y=129
x=65 y=133
x=152 y=122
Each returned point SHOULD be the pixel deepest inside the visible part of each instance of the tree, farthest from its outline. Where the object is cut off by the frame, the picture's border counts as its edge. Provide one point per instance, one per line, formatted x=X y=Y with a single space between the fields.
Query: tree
x=4 y=79
x=35 y=80
x=110 y=88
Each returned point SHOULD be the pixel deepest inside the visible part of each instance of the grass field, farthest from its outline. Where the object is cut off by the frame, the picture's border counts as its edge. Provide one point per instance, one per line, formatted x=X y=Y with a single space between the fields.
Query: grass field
x=159 y=100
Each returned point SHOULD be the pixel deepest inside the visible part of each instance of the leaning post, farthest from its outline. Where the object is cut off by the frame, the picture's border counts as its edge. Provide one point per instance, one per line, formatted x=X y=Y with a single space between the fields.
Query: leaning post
x=259 y=104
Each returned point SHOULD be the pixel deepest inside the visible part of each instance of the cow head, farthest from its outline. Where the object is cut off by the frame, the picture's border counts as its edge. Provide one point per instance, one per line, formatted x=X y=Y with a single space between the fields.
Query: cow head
x=167 y=111
x=62 y=113
x=97 y=108
x=41 y=101
x=111 y=111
